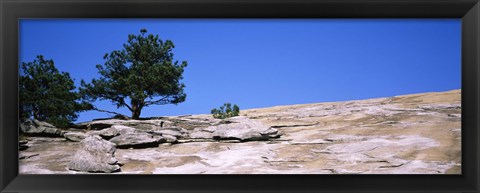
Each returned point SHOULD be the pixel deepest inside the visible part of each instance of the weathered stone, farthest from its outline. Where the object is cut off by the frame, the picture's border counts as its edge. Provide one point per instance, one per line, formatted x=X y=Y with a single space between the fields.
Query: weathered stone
x=191 y=122
x=28 y=155
x=74 y=136
x=374 y=136
x=244 y=129
x=202 y=133
x=95 y=155
x=172 y=131
x=149 y=124
x=270 y=132
x=169 y=139
x=136 y=140
x=121 y=129
x=440 y=106
x=39 y=128
x=106 y=133
x=113 y=131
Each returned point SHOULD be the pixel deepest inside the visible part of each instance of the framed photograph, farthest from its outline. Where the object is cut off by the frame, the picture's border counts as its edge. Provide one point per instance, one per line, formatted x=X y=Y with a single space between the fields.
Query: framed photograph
x=239 y=96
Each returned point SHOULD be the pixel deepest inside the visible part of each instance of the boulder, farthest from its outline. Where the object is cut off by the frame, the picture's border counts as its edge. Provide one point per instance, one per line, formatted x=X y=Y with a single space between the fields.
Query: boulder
x=39 y=128
x=114 y=131
x=95 y=155
x=121 y=129
x=136 y=140
x=75 y=136
x=106 y=133
x=243 y=129
x=168 y=139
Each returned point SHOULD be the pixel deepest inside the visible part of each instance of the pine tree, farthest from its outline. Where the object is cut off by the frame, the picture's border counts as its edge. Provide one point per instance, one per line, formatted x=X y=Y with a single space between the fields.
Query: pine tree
x=143 y=73
x=47 y=94
x=225 y=111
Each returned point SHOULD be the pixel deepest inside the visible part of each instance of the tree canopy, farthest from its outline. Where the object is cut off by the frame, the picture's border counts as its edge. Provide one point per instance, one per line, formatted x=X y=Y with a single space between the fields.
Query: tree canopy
x=47 y=94
x=143 y=73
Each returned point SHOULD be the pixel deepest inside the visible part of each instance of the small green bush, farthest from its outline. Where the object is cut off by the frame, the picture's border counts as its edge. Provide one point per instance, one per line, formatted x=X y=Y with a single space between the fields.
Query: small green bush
x=226 y=111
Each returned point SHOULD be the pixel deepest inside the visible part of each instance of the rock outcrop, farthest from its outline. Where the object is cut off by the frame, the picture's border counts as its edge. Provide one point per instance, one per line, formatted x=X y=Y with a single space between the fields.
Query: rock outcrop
x=75 y=136
x=136 y=140
x=113 y=131
x=138 y=124
x=409 y=134
x=176 y=132
x=95 y=155
x=243 y=129
x=39 y=128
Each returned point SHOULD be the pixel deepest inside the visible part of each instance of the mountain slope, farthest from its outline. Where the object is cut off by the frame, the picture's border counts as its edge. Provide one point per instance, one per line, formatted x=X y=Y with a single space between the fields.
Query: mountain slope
x=418 y=133
x=408 y=134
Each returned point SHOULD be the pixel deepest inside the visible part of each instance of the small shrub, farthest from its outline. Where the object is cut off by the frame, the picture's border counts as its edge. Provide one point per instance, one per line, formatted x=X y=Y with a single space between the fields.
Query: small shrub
x=226 y=111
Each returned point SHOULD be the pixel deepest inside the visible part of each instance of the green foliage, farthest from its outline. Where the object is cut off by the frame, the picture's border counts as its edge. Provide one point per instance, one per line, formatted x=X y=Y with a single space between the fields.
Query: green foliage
x=225 y=111
x=143 y=72
x=47 y=94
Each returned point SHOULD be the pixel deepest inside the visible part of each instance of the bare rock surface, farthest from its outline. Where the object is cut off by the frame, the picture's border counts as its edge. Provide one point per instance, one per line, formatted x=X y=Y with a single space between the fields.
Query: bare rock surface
x=95 y=155
x=176 y=132
x=408 y=134
x=138 y=124
x=75 y=136
x=136 y=140
x=114 y=131
x=39 y=128
x=243 y=129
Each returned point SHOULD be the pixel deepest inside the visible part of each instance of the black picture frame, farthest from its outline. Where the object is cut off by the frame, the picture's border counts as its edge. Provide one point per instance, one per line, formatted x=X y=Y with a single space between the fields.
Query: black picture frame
x=13 y=10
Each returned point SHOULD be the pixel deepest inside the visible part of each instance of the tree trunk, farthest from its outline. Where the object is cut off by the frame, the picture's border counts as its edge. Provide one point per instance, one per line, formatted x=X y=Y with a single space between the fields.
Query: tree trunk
x=136 y=109
x=136 y=113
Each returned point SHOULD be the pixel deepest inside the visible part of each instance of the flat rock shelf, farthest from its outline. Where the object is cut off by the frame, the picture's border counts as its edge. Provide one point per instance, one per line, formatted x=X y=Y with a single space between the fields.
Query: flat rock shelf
x=408 y=134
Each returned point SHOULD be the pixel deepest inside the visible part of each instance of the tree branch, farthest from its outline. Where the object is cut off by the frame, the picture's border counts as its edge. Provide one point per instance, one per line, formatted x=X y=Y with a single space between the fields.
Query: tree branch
x=125 y=104
x=105 y=111
x=155 y=102
x=119 y=100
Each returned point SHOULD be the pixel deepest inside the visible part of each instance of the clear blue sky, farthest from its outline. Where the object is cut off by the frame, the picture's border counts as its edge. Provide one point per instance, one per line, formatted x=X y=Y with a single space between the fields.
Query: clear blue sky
x=264 y=63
